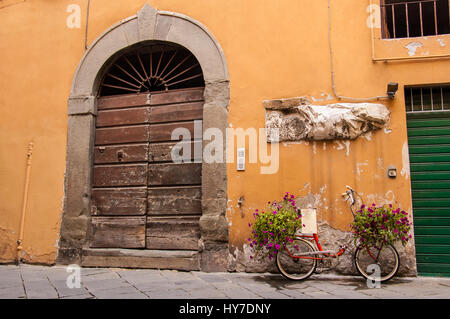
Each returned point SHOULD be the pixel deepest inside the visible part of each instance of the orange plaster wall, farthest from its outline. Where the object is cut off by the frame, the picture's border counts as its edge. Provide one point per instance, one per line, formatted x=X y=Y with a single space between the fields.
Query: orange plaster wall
x=274 y=49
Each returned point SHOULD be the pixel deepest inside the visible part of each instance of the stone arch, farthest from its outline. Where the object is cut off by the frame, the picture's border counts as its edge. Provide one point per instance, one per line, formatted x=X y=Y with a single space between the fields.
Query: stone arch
x=148 y=24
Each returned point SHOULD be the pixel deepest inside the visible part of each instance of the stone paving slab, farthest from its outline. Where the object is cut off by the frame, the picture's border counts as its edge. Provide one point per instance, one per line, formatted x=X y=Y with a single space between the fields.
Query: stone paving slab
x=43 y=282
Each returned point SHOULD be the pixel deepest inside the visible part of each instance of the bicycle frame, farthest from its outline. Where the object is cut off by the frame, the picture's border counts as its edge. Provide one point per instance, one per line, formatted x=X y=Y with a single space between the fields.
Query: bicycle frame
x=326 y=253
x=315 y=238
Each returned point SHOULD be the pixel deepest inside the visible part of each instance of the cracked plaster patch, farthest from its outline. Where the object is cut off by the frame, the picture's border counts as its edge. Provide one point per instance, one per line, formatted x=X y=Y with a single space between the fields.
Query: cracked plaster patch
x=297 y=119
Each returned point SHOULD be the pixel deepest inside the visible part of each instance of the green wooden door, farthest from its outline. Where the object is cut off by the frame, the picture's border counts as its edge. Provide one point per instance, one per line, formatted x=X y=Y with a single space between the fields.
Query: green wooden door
x=429 y=152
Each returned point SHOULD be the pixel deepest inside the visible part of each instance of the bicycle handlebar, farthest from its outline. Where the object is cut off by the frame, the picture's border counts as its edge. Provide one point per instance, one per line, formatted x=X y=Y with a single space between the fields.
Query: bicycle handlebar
x=349 y=193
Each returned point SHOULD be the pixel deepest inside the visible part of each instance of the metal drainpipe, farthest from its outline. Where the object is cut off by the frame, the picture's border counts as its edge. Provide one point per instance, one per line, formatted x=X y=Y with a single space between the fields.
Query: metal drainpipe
x=25 y=202
x=87 y=24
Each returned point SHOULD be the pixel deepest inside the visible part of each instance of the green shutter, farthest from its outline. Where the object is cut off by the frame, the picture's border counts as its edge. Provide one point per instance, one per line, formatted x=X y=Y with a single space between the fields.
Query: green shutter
x=429 y=152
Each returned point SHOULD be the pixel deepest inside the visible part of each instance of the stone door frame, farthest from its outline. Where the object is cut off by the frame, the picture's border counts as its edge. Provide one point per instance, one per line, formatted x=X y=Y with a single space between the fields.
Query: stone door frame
x=147 y=25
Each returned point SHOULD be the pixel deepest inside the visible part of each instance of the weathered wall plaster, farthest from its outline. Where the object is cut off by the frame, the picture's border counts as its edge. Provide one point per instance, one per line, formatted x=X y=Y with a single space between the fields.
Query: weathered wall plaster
x=412 y=47
x=297 y=119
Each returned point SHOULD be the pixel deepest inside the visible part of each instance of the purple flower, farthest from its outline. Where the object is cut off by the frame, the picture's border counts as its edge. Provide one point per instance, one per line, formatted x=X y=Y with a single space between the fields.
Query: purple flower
x=277 y=246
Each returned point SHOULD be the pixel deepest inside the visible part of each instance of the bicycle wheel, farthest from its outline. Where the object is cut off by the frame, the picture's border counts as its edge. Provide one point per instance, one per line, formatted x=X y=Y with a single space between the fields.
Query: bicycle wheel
x=377 y=264
x=292 y=267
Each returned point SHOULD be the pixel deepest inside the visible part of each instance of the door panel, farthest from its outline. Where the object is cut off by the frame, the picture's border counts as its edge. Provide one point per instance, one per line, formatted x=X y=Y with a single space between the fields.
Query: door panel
x=122 y=135
x=123 y=117
x=174 y=201
x=119 y=201
x=161 y=152
x=175 y=174
x=173 y=233
x=123 y=175
x=429 y=148
x=140 y=197
x=120 y=153
x=118 y=232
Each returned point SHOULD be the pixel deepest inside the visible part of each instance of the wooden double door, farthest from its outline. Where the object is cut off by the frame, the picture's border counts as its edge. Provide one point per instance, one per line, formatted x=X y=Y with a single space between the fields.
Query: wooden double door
x=140 y=197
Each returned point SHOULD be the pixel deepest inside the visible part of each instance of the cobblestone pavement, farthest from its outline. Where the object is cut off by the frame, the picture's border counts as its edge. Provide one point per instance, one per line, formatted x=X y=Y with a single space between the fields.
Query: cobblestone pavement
x=42 y=282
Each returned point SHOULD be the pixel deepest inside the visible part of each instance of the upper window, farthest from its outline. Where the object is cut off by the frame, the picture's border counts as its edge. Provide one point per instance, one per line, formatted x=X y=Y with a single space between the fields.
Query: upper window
x=414 y=18
x=427 y=98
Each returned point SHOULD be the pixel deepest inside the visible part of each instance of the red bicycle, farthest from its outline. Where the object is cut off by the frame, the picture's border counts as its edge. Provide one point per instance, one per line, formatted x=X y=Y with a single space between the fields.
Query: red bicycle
x=299 y=259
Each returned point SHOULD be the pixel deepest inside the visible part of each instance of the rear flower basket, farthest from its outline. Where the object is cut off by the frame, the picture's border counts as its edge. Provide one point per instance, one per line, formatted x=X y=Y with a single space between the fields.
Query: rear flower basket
x=274 y=227
x=381 y=225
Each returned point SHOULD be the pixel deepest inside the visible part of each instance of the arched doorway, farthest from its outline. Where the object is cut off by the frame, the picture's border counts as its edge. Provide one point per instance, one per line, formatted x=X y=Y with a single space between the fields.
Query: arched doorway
x=109 y=134
x=141 y=196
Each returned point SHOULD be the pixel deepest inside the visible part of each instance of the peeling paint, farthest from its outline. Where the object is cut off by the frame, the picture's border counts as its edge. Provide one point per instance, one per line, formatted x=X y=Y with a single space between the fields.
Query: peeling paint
x=387 y=130
x=358 y=167
x=380 y=163
x=368 y=136
x=347 y=146
x=341 y=147
x=441 y=42
x=405 y=161
x=387 y=198
x=324 y=97
x=412 y=47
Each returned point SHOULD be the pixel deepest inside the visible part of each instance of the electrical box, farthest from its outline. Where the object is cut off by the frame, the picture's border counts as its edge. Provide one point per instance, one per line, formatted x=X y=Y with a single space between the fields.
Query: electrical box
x=241 y=159
x=309 y=221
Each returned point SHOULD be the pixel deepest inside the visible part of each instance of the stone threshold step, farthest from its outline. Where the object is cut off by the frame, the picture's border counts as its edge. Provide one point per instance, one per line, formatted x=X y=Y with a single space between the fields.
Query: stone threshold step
x=141 y=258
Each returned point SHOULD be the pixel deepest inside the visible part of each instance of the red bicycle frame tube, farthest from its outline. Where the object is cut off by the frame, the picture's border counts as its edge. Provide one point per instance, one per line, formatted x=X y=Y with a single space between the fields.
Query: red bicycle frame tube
x=315 y=238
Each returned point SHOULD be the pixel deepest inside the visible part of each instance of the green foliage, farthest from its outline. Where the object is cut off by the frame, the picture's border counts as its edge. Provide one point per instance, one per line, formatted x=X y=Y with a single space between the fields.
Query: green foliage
x=274 y=227
x=381 y=225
